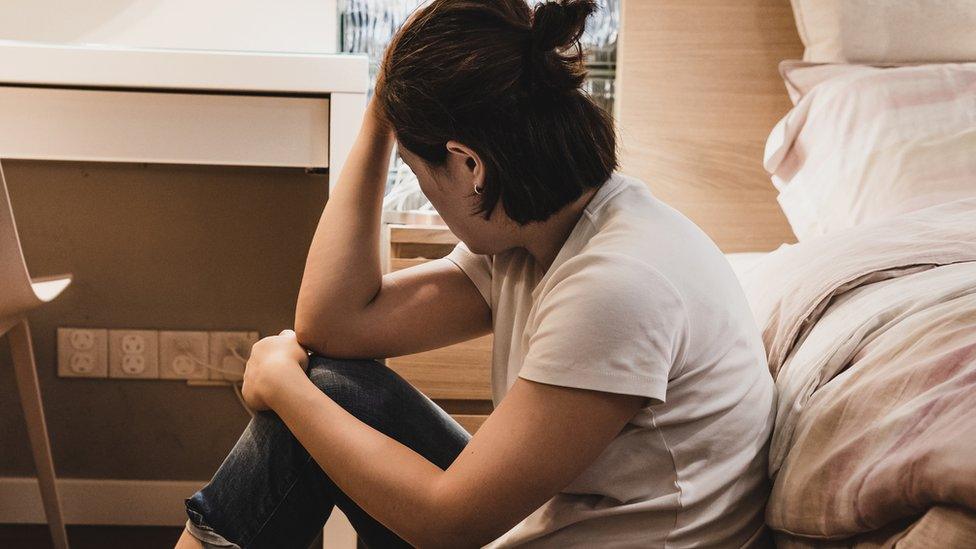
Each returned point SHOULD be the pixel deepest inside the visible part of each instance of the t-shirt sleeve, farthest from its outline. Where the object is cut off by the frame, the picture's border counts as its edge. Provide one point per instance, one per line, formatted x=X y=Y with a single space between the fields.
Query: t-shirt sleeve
x=476 y=266
x=607 y=324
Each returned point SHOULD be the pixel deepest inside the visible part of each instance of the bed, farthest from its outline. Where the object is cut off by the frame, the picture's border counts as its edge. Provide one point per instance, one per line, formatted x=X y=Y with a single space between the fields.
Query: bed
x=835 y=143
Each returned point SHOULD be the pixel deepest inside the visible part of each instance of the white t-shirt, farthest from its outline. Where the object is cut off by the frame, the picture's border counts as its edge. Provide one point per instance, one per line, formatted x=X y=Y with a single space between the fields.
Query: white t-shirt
x=639 y=301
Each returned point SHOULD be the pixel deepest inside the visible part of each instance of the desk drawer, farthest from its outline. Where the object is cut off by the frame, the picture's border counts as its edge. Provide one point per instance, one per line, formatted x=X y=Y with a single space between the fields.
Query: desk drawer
x=398 y=263
x=164 y=127
x=470 y=422
x=456 y=372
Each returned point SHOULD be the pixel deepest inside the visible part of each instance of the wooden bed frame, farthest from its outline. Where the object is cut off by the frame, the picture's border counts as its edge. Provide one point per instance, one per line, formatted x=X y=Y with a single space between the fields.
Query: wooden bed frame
x=698 y=93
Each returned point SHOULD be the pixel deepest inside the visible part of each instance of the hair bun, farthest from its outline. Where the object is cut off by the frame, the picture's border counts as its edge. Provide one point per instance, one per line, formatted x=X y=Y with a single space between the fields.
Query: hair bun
x=557 y=26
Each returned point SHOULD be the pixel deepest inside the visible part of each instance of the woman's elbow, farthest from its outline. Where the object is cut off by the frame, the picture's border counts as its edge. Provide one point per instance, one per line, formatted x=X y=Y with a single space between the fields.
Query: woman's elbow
x=307 y=315
x=326 y=338
x=308 y=338
x=315 y=334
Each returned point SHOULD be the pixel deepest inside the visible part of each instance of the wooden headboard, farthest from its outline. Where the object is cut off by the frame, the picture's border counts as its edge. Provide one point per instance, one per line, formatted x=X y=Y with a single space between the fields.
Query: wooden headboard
x=698 y=93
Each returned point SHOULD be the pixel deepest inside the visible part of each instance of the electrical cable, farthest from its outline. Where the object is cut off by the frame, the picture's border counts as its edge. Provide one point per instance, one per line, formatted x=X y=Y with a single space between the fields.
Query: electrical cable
x=207 y=365
x=236 y=354
x=240 y=398
x=236 y=376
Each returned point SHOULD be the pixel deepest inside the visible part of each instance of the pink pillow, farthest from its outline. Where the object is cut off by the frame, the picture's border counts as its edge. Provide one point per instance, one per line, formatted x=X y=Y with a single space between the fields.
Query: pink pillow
x=865 y=143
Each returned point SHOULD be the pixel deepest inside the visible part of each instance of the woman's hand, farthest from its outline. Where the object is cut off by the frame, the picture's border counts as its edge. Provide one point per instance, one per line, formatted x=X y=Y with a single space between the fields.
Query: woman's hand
x=276 y=362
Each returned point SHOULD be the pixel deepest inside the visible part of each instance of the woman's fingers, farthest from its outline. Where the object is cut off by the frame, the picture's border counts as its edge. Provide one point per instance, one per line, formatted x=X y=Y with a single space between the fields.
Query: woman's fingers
x=301 y=355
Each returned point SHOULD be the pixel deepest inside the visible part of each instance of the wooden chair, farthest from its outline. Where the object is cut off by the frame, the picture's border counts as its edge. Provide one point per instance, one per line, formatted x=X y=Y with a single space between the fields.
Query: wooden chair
x=19 y=294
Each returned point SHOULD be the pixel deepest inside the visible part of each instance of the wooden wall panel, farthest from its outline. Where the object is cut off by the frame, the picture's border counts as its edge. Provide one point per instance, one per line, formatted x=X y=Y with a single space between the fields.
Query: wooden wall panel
x=698 y=93
x=456 y=372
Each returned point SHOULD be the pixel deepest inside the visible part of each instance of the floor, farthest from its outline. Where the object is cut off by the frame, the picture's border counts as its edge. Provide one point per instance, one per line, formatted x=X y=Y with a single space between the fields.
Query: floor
x=35 y=536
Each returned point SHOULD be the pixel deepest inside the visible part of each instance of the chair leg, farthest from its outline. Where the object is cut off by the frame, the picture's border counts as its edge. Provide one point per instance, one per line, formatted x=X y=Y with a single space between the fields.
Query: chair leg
x=25 y=370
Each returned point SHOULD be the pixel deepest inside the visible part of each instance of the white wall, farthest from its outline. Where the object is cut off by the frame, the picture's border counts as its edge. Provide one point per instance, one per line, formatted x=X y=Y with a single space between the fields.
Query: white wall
x=250 y=25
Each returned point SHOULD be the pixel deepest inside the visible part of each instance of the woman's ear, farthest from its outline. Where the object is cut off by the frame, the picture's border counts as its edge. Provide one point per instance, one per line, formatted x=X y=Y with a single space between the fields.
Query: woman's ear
x=465 y=164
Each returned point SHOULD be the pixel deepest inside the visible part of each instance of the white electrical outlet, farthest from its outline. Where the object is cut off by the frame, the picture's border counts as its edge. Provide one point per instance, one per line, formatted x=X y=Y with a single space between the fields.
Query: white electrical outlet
x=133 y=354
x=183 y=355
x=226 y=351
x=82 y=352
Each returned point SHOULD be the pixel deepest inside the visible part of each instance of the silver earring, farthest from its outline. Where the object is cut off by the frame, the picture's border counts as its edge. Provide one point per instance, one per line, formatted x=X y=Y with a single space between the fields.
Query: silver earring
x=479 y=190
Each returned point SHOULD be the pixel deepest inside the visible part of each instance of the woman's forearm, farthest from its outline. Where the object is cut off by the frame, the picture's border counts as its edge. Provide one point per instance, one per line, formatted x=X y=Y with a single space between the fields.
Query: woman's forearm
x=343 y=272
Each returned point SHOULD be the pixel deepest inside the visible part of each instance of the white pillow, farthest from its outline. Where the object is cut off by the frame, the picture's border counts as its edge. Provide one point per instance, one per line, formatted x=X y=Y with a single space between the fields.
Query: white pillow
x=887 y=31
x=800 y=76
x=865 y=143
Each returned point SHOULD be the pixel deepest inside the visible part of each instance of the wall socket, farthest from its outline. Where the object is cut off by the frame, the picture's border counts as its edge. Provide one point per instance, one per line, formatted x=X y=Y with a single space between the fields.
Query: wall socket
x=82 y=352
x=200 y=357
x=133 y=354
x=223 y=346
x=182 y=355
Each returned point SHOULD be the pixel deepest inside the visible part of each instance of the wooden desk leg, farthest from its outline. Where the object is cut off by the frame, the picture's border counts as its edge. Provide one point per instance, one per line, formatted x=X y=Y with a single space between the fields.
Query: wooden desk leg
x=25 y=370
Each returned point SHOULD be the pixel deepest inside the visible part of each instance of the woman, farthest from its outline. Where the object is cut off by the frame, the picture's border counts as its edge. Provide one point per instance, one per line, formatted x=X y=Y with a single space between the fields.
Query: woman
x=633 y=406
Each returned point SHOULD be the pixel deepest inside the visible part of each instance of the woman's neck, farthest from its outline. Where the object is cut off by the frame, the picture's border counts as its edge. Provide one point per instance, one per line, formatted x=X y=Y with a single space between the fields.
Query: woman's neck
x=543 y=240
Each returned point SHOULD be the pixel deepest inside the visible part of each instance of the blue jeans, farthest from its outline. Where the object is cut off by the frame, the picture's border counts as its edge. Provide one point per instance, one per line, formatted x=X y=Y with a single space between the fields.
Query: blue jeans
x=269 y=492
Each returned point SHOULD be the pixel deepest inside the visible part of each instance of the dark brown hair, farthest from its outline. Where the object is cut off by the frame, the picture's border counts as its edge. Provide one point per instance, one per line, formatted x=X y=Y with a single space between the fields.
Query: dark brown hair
x=504 y=80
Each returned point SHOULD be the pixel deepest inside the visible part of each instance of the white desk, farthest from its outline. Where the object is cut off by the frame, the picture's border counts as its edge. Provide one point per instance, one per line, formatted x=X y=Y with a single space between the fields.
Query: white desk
x=181 y=106
x=117 y=104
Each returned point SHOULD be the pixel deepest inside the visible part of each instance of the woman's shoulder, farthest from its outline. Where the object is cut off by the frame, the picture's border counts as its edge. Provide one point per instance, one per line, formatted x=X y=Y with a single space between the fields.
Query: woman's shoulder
x=620 y=279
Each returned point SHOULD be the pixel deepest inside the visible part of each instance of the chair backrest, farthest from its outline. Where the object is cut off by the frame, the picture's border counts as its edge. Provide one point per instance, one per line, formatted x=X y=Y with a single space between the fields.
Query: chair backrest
x=16 y=293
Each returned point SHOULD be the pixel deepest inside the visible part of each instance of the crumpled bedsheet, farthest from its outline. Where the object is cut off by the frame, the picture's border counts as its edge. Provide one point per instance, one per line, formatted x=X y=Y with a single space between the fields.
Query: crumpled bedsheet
x=871 y=337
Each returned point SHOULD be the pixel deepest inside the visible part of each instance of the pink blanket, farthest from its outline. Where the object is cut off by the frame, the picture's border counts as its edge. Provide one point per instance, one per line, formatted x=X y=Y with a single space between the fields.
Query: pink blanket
x=871 y=336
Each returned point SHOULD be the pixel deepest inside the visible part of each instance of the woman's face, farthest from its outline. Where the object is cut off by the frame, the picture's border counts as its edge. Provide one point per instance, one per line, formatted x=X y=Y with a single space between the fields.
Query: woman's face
x=450 y=189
